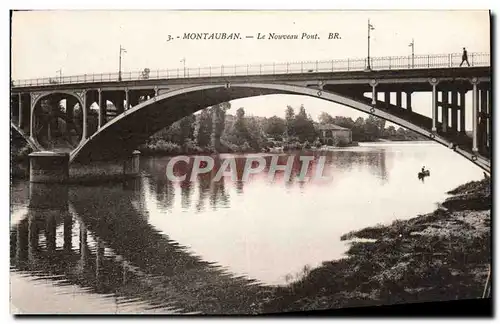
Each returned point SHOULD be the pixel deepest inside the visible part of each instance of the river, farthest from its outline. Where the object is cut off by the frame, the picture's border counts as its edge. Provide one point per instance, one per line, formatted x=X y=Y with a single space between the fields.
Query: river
x=153 y=245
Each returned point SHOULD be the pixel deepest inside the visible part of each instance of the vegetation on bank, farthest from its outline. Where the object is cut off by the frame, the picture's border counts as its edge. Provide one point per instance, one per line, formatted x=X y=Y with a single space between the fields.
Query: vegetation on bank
x=212 y=130
x=443 y=255
x=19 y=152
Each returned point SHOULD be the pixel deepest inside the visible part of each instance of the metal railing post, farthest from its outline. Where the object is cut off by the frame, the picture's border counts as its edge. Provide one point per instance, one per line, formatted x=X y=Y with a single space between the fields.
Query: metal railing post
x=428 y=61
x=274 y=69
x=222 y=70
x=348 y=65
x=301 y=67
x=260 y=71
x=389 y=62
x=287 y=65
x=247 y=69
x=472 y=59
x=317 y=66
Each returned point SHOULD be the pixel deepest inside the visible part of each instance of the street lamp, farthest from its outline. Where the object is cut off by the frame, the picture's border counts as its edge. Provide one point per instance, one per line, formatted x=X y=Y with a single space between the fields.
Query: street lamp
x=412 y=45
x=184 y=62
x=370 y=27
x=60 y=75
x=122 y=50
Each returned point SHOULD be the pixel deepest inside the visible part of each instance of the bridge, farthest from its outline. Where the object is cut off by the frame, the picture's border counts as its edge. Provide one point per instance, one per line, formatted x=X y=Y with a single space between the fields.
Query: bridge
x=90 y=128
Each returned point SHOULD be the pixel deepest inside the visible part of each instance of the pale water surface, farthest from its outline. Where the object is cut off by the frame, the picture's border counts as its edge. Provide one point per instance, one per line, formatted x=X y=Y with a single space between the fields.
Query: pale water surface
x=152 y=245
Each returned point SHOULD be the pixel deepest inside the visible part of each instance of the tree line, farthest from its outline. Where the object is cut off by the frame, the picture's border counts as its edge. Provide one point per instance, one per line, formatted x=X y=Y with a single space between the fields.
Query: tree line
x=213 y=130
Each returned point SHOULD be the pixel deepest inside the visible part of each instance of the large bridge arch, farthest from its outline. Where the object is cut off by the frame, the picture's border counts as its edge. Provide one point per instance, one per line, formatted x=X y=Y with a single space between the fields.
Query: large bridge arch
x=124 y=133
x=31 y=143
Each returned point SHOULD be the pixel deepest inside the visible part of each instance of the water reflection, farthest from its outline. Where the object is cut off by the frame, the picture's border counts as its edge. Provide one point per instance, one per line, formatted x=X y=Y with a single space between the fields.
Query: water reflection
x=216 y=195
x=216 y=246
x=118 y=253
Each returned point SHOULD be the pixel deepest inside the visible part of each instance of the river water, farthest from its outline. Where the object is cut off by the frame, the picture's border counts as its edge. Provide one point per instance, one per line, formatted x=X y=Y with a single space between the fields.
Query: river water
x=155 y=245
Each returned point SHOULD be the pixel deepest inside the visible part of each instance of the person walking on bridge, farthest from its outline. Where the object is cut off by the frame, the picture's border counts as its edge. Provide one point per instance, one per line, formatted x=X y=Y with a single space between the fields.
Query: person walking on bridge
x=465 y=58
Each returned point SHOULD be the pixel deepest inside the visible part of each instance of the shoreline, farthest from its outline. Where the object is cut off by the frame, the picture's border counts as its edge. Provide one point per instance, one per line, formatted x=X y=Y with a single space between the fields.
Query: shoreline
x=438 y=256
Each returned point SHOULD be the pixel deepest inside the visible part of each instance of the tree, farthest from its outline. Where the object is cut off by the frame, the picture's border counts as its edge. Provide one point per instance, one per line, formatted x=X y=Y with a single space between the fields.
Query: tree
x=203 y=128
x=218 y=123
x=304 y=126
x=256 y=135
x=275 y=127
x=325 y=118
x=186 y=128
x=289 y=121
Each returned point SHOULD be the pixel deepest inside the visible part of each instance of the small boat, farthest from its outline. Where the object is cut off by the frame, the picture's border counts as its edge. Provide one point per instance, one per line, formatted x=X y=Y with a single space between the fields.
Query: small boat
x=424 y=174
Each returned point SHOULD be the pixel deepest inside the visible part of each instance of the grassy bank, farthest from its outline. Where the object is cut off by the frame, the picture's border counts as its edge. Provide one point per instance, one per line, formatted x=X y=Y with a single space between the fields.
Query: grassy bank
x=443 y=255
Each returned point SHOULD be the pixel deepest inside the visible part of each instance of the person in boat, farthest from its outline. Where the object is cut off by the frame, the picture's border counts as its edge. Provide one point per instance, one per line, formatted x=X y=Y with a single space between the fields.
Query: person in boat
x=423 y=169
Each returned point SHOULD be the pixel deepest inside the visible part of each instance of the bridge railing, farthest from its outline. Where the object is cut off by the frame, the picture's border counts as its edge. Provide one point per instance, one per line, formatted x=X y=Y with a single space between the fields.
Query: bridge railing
x=345 y=65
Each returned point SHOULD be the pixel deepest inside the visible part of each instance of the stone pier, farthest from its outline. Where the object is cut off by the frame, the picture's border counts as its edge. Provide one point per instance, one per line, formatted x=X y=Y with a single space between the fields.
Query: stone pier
x=49 y=167
x=131 y=165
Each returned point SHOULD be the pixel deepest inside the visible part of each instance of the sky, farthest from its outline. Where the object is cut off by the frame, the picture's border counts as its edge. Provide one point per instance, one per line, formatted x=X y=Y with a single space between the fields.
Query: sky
x=81 y=42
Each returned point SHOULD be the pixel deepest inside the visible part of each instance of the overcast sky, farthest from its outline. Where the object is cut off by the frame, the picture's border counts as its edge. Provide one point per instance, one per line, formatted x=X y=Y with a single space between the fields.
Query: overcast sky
x=81 y=42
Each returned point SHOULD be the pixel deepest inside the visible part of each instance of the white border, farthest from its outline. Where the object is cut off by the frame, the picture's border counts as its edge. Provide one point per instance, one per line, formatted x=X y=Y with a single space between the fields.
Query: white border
x=192 y=5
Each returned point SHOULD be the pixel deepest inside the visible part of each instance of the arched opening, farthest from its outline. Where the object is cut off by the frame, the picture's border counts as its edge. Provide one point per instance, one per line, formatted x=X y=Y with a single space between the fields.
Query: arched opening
x=58 y=122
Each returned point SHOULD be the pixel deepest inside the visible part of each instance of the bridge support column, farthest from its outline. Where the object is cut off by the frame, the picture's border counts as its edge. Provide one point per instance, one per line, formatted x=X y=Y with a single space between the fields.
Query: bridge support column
x=483 y=115
x=387 y=99
x=85 y=116
x=454 y=110
x=131 y=165
x=462 y=111
x=434 y=104
x=444 y=110
x=127 y=102
x=20 y=104
x=102 y=109
x=32 y=118
x=398 y=99
x=374 y=91
x=49 y=167
x=475 y=104
x=408 y=100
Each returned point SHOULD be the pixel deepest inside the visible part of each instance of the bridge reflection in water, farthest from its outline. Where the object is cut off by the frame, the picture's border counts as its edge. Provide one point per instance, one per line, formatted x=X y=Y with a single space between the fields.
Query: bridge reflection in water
x=118 y=254
x=101 y=241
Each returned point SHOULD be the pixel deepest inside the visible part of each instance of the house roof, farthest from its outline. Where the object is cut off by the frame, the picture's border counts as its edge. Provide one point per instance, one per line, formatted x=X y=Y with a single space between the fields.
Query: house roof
x=331 y=127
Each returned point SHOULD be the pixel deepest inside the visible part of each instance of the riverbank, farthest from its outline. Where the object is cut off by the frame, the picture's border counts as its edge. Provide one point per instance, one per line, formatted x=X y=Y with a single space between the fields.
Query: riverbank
x=443 y=255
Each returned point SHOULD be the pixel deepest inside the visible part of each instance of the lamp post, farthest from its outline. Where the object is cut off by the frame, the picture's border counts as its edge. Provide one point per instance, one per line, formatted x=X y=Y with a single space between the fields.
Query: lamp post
x=412 y=45
x=184 y=62
x=122 y=50
x=60 y=75
x=370 y=27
